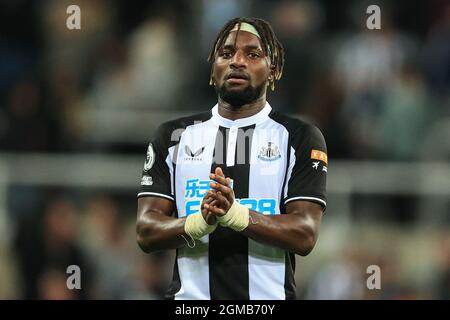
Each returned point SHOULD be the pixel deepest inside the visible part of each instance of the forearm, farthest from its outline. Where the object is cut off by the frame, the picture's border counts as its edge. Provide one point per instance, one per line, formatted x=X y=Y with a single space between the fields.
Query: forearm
x=157 y=231
x=286 y=231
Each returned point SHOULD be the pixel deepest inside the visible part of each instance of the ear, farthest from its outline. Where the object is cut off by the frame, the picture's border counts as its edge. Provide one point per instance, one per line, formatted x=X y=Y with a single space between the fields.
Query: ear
x=271 y=80
x=212 y=82
x=271 y=75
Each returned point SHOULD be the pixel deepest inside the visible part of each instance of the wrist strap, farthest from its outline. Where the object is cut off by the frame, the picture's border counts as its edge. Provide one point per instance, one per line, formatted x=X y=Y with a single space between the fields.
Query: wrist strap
x=196 y=227
x=237 y=217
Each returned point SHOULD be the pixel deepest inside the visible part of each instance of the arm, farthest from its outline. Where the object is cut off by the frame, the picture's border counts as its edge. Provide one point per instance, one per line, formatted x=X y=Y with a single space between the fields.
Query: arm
x=296 y=230
x=157 y=230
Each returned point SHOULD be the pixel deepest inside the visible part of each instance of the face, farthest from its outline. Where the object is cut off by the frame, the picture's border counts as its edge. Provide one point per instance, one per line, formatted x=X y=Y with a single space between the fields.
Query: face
x=241 y=69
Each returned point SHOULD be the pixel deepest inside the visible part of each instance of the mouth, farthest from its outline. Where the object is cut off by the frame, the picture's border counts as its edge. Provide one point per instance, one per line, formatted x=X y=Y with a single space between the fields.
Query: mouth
x=237 y=78
x=238 y=75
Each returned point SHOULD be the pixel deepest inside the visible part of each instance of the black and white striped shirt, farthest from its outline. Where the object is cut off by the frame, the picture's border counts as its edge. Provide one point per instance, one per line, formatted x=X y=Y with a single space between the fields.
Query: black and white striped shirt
x=272 y=159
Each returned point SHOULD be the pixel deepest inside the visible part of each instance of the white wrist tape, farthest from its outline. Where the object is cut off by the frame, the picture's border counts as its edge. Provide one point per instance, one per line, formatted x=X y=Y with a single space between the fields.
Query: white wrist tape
x=196 y=227
x=236 y=218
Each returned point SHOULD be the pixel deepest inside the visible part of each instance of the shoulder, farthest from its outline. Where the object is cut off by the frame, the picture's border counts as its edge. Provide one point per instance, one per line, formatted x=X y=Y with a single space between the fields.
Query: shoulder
x=298 y=128
x=168 y=128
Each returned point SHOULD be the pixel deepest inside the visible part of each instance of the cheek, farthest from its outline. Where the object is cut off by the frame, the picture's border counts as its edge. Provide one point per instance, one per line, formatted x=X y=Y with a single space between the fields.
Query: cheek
x=261 y=75
x=218 y=71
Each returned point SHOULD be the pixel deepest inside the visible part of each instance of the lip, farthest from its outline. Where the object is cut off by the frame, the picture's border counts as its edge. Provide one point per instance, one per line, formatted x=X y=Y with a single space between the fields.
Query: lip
x=236 y=80
x=237 y=75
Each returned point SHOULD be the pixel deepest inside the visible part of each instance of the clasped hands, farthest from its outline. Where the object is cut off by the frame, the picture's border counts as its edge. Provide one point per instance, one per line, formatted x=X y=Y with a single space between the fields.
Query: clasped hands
x=218 y=207
x=219 y=199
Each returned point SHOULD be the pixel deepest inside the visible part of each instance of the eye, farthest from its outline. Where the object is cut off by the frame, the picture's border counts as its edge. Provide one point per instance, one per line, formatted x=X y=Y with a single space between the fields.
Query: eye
x=254 y=55
x=226 y=54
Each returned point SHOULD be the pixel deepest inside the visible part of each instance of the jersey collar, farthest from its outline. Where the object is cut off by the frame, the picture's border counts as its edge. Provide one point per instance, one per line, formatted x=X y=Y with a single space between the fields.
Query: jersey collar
x=244 y=122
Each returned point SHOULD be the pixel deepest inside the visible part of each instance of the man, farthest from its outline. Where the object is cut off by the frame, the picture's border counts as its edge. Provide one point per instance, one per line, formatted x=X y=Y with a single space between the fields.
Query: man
x=246 y=185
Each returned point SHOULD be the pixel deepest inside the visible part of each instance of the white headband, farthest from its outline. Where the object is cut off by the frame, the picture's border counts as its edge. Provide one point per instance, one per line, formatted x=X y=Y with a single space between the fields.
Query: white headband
x=246 y=27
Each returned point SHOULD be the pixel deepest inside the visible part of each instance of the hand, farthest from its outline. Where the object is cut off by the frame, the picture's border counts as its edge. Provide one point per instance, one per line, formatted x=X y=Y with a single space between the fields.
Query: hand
x=220 y=192
x=209 y=217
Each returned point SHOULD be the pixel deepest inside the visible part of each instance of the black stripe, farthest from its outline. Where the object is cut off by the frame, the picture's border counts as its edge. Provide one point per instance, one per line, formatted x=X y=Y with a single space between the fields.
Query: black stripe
x=175 y=286
x=228 y=250
x=288 y=157
x=174 y=170
x=289 y=279
x=291 y=125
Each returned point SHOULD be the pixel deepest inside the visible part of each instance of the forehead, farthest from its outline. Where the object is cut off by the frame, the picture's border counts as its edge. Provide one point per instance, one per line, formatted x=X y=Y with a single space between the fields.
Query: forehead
x=242 y=39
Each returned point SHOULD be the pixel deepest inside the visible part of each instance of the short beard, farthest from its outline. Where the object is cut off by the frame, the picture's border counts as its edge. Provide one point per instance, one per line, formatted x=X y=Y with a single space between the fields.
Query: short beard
x=237 y=99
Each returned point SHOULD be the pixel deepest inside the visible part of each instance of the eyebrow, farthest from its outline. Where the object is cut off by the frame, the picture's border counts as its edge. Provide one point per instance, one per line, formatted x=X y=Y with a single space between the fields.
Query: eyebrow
x=248 y=47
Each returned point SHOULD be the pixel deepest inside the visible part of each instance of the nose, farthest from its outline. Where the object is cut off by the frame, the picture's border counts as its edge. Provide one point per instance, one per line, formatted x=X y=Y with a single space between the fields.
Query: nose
x=238 y=61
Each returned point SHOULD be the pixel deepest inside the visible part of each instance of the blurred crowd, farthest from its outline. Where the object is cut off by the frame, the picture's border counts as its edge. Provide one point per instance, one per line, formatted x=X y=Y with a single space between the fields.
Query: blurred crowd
x=94 y=235
x=349 y=274
x=375 y=94
x=97 y=234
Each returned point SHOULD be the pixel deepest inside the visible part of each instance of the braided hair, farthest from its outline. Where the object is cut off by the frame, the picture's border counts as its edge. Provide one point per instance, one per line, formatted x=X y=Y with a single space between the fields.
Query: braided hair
x=270 y=44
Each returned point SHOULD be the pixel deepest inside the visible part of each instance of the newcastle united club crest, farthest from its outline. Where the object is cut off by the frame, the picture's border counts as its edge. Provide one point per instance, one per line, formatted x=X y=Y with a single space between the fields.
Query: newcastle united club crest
x=269 y=153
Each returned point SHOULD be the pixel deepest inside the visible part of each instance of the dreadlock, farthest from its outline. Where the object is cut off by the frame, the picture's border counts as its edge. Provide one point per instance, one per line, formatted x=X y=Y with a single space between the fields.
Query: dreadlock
x=270 y=44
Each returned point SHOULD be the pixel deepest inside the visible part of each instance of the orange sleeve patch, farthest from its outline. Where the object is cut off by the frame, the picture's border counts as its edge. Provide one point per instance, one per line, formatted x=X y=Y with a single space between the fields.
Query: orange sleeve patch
x=319 y=155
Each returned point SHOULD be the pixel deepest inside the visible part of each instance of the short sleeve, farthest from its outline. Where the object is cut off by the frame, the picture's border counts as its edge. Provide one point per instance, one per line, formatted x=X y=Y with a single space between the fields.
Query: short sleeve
x=158 y=169
x=308 y=167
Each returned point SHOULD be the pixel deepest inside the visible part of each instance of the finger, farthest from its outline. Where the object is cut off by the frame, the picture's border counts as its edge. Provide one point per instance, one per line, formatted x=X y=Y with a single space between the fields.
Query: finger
x=214 y=203
x=208 y=199
x=219 y=172
x=210 y=218
x=223 y=202
x=226 y=191
x=220 y=179
x=220 y=187
x=214 y=196
x=215 y=210
x=210 y=194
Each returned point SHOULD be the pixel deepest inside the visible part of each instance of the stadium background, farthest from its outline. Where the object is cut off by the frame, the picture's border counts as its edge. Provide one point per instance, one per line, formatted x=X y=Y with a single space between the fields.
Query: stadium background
x=77 y=109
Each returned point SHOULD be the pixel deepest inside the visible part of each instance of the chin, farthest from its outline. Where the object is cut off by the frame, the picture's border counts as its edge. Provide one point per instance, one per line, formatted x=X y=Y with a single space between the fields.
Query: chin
x=230 y=87
x=237 y=96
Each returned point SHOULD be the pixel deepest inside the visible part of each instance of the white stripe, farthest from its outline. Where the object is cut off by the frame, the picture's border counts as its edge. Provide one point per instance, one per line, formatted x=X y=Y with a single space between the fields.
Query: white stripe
x=155 y=194
x=266 y=264
x=306 y=198
x=169 y=163
x=292 y=159
x=194 y=270
x=194 y=278
x=266 y=274
x=231 y=146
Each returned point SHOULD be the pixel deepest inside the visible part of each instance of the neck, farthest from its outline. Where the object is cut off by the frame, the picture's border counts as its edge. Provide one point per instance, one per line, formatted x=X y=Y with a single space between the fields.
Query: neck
x=247 y=110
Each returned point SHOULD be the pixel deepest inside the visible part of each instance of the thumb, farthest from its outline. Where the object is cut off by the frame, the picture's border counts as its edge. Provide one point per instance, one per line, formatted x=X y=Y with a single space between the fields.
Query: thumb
x=219 y=172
